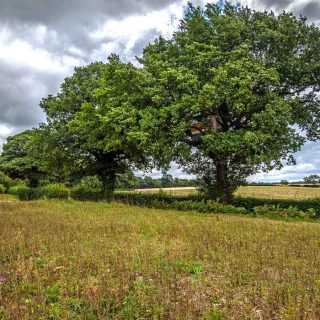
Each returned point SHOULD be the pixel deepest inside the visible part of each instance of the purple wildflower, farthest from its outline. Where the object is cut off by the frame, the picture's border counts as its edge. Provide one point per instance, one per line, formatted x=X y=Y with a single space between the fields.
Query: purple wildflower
x=2 y=280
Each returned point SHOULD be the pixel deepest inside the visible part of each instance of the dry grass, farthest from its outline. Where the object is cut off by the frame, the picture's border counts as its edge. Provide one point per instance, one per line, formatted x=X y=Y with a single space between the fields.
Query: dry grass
x=269 y=192
x=6 y=198
x=64 y=260
x=279 y=192
x=183 y=191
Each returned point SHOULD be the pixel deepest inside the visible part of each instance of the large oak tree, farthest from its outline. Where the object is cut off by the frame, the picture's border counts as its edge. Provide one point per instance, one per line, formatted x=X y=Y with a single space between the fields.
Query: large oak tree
x=235 y=91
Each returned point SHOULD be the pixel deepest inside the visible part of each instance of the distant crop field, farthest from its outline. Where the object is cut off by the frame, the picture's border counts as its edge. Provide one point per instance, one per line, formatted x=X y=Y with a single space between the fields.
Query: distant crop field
x=70 y=260
x=265 y=192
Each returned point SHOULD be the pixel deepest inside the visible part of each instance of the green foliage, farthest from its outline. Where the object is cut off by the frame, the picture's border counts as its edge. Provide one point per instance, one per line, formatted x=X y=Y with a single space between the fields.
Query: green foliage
x=13 y=190
x=93 y=123
x=19 y=161
x=6 y=181
x=314 y=179
x=54 y=191
x=263 y=207
x=2 y=189
x=167 y=181
x=291 y=211
x=91 y=182
x=128 y=181
x=85 y=193
x=25 y=193
x=51 y=191
x=229 y=88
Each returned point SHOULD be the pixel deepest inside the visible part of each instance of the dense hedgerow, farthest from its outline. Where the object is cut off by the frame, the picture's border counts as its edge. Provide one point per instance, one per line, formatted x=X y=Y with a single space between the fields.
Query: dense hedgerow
x=85 y=193
x=54 y=191
x=51 y=191
x=24 y=193
x=272 y=207
x=302 y=205
x=258 y=207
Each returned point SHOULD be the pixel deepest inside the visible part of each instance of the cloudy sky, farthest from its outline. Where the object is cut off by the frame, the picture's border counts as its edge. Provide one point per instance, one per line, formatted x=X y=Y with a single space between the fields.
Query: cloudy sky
x=41 y=41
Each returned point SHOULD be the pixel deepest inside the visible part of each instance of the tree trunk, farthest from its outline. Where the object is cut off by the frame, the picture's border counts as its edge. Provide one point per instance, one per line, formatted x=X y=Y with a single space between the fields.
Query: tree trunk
x=108 y=184
x=223 y=190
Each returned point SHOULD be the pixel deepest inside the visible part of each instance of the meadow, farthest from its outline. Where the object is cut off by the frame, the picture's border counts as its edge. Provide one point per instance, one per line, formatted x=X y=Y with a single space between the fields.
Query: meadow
x=261 y=192
x=72 y=260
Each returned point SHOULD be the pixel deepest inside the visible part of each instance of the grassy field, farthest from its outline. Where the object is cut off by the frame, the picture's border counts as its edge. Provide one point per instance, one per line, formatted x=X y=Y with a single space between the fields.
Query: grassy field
x=265 y=192
x=69 y=260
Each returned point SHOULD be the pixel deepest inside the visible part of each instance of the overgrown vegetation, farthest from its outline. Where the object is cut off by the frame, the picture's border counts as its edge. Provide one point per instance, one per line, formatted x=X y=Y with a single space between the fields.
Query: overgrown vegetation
x=62 y=260
x=275 y=208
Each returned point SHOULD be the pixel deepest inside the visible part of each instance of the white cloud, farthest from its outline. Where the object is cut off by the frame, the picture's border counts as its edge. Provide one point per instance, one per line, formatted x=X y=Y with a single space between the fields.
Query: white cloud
x=18 y=52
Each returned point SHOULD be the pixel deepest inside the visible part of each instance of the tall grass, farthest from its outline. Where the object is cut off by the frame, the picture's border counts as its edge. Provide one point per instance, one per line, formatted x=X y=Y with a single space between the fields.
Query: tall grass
x=70 y=260
x=263 y=192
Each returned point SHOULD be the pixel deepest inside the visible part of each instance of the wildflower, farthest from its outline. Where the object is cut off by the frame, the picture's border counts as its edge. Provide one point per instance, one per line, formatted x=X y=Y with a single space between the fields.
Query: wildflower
x=2 y=280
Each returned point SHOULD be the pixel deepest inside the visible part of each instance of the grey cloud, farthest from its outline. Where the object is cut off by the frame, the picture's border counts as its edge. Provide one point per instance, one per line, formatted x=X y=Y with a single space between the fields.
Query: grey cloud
x=68 y=24
x=83 y=11
x=278 y=4
x=20 y=92
x=311 y=10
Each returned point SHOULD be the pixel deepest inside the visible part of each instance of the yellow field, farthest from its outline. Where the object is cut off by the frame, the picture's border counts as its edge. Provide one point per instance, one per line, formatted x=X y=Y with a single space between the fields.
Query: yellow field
x=69 y=260
x=273 y=192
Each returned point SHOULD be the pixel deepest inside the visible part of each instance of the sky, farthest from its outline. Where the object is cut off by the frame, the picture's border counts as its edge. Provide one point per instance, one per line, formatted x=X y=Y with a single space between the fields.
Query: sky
x=41 y=41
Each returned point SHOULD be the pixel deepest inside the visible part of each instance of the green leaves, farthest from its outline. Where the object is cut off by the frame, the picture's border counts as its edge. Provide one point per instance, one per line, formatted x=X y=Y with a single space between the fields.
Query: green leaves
x=247 y=78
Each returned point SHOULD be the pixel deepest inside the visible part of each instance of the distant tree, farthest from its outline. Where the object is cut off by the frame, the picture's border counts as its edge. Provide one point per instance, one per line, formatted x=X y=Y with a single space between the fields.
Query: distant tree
x=148 y=182
x=93 y=123
x=19 y=161
x=127 y=181
x=167 y=181
x=5 y=180
x=235 y=91
x=285 y=182
x=313 y=179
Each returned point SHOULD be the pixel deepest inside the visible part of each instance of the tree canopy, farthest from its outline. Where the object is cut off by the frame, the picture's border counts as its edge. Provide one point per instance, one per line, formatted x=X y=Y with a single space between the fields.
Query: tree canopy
x=18 y=161
x=247 y=84
x=93 y=123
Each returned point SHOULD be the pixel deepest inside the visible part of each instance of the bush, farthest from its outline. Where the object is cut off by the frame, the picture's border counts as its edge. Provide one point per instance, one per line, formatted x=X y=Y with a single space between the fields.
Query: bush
x=91 y=182
x=301 y=205
x=84 y=193
x=2 y=189
x=269 y=207
x=14 y=190
x=54 y=191
x=180 y=203
x=25 y=193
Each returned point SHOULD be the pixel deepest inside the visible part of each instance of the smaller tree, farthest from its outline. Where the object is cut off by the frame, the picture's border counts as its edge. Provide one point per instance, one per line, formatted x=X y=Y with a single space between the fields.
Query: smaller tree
x=313 y=179
x=5 y=180
x=167 y=181
x=18 y=160
x=93 y=124
x=285 y=182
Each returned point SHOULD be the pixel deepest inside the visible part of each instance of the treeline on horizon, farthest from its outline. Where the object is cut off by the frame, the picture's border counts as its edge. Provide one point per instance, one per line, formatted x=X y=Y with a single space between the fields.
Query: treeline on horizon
x=130 y=181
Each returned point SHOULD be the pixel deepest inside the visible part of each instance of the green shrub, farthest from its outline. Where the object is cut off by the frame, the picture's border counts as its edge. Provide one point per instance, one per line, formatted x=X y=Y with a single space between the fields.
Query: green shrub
x=25 y=193
x=91 y=182
x=14 y=190
x=54 y=191
x=84 y=193
x=2 y=189
x=281 y=204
